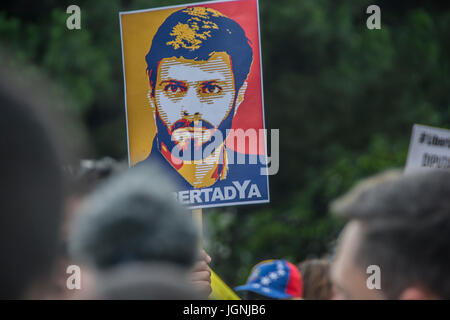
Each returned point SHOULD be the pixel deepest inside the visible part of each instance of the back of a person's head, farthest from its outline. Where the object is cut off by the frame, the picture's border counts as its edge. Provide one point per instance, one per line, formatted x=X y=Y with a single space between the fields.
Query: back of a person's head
x=30 y=184
x=316 y=279
x=405 y=223
x=153 y=281
x=133 y=217
x=90 y=173
x=82 y=179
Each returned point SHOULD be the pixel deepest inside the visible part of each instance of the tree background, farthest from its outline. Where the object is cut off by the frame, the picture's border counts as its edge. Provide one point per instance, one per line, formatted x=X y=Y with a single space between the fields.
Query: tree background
x=344 y=98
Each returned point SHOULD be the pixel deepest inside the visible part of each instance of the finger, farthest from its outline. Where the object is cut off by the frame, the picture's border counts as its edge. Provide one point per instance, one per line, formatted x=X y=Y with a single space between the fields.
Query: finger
x=204 y=256
x=204 y=287
x=201 y=276
x=200 y=266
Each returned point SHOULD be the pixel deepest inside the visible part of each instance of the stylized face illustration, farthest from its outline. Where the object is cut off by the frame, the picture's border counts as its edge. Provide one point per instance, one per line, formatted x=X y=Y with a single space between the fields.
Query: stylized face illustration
x=197 y=66
x=193 y=99
x=195 y=90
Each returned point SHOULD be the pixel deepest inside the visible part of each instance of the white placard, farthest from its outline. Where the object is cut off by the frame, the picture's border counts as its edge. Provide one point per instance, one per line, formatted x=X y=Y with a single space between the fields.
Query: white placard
x=429 y=149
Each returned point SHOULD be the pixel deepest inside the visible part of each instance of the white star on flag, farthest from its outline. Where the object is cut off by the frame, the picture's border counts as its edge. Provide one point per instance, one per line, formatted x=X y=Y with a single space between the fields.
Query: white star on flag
x=273 y=275
x=265 y=280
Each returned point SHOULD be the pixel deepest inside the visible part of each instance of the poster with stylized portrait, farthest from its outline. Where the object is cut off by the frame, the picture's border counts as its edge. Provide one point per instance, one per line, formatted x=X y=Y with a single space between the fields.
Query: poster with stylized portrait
x=194 y=102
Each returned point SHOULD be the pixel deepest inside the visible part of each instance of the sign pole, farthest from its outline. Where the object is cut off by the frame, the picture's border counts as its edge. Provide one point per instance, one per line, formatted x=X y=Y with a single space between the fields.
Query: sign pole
x=197 y=215
x=220 y=290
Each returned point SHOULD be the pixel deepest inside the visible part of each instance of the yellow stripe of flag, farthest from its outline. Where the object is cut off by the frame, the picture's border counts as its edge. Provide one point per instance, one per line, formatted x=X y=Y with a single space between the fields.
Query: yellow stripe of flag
x=220 y=290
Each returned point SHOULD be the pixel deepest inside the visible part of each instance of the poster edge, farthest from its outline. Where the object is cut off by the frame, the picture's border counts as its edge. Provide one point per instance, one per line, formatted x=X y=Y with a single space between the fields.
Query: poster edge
x=124 y=89
x=228 y=204
x=174 y=6
x=262 y=96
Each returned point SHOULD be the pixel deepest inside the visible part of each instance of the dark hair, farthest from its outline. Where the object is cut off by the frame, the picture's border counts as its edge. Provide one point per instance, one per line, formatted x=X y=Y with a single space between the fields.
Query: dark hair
x=316 y=279
x=133 y=217
x=212 y=32
x=406 y=223
x=84 y=178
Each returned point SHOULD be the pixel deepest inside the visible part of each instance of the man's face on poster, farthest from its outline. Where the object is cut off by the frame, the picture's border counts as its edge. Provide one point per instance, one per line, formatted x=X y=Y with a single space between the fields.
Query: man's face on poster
x=194 y=99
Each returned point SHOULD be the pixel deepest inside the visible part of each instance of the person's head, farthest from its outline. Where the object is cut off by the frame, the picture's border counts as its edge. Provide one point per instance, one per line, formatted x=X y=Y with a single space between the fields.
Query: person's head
x=31 y=186
x=133 y=217
x=197 y=67
x=83 y=179
x=272 y=279
x=145 y=282
x=398 y=232
x=89 y=173
x=316 y=279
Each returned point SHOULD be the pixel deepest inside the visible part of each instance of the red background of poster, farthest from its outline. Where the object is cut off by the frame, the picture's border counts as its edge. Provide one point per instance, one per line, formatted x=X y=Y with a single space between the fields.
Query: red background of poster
x=250 y=112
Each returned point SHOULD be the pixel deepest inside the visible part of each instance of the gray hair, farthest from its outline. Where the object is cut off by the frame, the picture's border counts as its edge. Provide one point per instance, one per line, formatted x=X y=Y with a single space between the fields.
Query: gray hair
x=133 y=217
x=406 y=228
x=146 y=282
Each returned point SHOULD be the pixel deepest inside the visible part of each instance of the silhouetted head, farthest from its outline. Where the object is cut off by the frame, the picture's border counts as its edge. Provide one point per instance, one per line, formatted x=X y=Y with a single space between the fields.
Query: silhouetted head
x=131 y=218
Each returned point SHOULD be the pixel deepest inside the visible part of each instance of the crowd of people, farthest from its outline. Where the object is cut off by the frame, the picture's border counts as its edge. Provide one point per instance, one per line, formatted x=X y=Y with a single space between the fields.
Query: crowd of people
x=132 y=240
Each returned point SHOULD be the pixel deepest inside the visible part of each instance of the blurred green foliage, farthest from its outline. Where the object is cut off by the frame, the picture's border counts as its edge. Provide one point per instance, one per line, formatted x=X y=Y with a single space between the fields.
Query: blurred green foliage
x=344 y=98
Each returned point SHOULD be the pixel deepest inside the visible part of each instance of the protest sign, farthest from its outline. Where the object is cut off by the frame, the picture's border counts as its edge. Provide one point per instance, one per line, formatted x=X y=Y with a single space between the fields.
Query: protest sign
x=193 y=99
x=429 y=149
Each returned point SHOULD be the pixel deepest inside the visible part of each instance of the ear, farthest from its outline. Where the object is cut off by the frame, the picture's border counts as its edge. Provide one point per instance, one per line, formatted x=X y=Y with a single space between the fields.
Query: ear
x=240 y=96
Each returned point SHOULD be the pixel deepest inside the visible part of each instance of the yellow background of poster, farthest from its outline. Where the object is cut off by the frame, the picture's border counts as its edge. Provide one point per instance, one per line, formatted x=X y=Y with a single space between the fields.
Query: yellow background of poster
x=138 y=30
